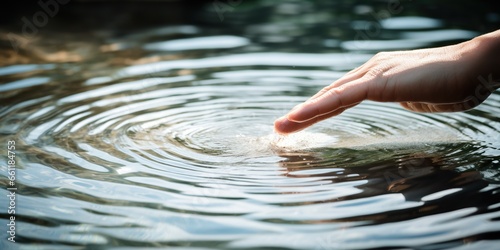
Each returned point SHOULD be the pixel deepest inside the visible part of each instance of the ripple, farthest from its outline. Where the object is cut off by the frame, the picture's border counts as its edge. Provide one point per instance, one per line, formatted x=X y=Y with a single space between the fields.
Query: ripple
x=213 y=42
x=408 y=40
x=410 y=23
x=22 y=68
x=163 y=151
x=28 y=82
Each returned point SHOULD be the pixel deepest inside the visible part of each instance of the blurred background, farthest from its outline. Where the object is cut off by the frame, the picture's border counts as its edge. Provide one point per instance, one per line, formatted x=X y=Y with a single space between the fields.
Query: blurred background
x=308 y=24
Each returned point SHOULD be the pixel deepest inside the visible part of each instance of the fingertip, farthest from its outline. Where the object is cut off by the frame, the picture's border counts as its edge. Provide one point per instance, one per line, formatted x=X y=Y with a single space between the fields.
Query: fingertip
x=284 y=126
x=280 y=125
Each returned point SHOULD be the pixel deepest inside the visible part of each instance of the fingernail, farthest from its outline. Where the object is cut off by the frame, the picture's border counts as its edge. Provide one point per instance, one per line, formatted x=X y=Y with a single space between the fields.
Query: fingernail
x=302 y=113
x=296 y=115
x=292 y=115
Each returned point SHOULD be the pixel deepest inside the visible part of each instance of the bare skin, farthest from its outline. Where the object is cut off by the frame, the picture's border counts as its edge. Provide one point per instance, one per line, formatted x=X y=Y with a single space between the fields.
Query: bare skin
x=444 y=79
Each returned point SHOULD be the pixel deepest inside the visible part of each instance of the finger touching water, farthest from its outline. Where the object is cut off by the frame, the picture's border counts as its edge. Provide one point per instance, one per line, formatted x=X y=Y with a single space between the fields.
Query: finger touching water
x=329 y=102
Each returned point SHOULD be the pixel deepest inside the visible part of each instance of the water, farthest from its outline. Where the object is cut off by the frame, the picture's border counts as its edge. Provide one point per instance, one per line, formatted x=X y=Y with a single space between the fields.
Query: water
x=163 y=137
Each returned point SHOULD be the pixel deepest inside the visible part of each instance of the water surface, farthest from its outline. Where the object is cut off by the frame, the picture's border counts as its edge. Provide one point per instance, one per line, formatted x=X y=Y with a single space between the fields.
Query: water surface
x=163 y=137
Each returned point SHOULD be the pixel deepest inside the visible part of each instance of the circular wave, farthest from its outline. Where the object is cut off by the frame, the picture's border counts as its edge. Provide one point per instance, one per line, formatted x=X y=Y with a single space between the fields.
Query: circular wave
x=175 y=144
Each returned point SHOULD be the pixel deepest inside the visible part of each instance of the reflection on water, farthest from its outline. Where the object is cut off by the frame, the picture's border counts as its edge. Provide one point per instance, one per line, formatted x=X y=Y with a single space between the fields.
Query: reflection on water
x=163 y=137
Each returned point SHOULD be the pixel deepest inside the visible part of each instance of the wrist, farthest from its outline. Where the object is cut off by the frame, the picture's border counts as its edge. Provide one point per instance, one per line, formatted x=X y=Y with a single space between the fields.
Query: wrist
x=488 y=52
x=480 y=59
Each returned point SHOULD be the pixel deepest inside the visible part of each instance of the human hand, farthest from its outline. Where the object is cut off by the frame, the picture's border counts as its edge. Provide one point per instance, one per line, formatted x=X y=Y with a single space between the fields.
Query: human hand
x=440 y=79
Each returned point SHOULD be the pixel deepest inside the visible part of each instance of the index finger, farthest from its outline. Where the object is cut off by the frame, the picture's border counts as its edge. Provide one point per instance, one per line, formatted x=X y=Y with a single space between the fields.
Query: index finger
x=330 y=101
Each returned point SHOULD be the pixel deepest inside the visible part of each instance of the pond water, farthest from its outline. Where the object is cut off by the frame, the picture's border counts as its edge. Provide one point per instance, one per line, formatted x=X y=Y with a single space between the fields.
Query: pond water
x=163 y=137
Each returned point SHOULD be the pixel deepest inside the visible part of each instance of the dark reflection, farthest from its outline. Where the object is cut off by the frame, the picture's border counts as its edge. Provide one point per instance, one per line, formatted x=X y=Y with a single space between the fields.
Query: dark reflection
x=432 y=178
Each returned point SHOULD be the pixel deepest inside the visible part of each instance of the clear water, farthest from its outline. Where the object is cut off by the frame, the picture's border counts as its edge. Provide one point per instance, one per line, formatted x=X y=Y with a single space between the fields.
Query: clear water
x=163 y=137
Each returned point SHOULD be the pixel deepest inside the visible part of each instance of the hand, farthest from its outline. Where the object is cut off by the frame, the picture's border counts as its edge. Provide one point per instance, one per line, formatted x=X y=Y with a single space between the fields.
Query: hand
x=440 y=79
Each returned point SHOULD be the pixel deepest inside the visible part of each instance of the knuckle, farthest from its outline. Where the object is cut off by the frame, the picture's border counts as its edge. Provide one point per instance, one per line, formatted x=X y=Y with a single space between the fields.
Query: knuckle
x=375 y=72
